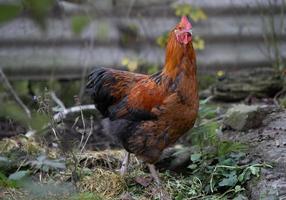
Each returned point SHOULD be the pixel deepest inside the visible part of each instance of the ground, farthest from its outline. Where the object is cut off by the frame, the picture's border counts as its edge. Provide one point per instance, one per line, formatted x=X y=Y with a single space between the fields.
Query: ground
x=94 y=174
x=267 y=144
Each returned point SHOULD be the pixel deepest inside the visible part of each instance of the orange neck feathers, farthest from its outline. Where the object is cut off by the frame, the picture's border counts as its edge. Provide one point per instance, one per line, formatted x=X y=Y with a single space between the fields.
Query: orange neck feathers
x=179 y=57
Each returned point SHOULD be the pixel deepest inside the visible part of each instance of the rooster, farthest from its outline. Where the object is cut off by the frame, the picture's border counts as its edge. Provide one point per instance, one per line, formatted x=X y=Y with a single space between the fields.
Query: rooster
x=148 y=113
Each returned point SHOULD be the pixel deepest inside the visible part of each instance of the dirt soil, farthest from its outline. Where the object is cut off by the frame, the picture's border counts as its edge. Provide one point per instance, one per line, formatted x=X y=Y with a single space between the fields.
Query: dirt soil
x=9 y=128
x=267 y=144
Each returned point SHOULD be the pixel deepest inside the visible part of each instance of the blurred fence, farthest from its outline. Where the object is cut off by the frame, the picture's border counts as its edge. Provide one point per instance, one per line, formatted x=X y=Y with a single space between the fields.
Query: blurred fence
x=235 y=36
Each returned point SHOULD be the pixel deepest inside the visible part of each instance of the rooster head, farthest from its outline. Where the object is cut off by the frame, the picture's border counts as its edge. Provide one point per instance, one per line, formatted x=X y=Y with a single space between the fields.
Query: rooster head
x=183 y=31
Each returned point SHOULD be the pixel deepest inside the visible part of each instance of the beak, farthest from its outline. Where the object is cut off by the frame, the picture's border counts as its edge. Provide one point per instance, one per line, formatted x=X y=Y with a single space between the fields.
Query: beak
x=190 y=31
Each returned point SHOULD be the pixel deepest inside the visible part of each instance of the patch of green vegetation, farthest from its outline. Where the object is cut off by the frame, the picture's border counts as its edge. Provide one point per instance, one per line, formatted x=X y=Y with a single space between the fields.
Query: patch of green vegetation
x=6 y=182
x=86 y=196
x=185 y=9
x=67 y=91
x=205 y=81
x=162 y=40
x=79 y=23
x=38 y=10
x=128 y=33
x=13 y=111
x=9 y=12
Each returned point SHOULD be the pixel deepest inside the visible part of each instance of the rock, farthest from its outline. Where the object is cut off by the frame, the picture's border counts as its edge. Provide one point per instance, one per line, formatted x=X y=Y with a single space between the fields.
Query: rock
x=258 y=83
x=262 y=143
x=243 y=117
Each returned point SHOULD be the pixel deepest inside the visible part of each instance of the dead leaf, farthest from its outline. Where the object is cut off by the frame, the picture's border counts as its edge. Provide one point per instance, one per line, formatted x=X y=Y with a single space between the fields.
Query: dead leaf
x=145 y=181
x=126 y=196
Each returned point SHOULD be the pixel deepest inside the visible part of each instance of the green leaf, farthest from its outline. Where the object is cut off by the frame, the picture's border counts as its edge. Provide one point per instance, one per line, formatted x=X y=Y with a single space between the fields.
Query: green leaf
x=254 y=170
x=12 y=110
x=78 y=23
x=38 y=121
x=196 y=157
x=18 y=175
x=192 y=166
x=46 y=164
x=238 y=188
x=9 y=11
x=56 y=164
x=226 y=147
x=244 y=176
x=230 y=180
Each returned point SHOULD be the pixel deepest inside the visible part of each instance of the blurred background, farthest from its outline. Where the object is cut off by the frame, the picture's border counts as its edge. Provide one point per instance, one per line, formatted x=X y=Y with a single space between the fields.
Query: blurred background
x=47 y=48
x=60 y=39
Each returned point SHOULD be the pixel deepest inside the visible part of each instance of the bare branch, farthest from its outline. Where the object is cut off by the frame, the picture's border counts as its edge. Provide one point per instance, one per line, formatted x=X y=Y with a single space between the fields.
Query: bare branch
x=89 y=134
x=62 y=115
x=57 y=100
x=9 y=87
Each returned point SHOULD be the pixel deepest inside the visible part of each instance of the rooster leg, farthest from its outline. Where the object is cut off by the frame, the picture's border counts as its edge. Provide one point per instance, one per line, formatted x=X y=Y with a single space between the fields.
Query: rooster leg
x=124 y=166
x=154 y=174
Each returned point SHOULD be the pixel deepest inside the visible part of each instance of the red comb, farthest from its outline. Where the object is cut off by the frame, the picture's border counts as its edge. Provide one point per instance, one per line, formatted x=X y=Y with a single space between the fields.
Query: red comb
x=186 y=23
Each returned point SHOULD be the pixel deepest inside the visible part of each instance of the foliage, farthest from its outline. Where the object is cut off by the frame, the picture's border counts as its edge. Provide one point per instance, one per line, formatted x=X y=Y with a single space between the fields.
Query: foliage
x=206 y=131
x=102 y=31
x=223 y=173
x=45 y=164
x=6 y=182
x=38 y=10
x=9 y=12
x=198 y=43
x=128 y=34
x=12 y=111
x=186 y=9
x=162 y=40
x=79 y=23
x=196 y=14
x=215 y=165
x=131 y=64
x=205 y=81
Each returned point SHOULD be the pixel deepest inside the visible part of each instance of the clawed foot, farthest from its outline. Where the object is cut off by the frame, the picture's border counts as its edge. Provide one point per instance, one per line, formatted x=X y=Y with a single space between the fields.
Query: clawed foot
x=125 y=163
x=154 y=174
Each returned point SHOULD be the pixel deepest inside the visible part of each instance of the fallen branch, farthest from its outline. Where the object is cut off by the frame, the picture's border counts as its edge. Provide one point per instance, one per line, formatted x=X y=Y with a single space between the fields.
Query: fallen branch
x=58 y=117
x=62 y=115
x=57 y=100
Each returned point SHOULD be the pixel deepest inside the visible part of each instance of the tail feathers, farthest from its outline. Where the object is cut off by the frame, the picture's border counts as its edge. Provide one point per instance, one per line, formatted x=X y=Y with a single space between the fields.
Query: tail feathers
x=98 y=86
